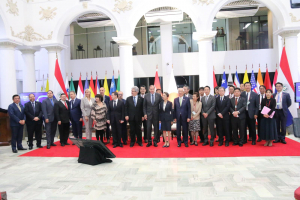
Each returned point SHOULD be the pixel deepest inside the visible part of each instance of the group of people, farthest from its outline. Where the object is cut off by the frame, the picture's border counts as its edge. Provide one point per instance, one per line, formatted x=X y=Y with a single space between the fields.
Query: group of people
x=194 y=115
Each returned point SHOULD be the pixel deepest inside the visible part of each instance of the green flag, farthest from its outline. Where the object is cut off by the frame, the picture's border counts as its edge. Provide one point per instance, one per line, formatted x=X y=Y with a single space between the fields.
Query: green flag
x=72 y=88
x=118 y=85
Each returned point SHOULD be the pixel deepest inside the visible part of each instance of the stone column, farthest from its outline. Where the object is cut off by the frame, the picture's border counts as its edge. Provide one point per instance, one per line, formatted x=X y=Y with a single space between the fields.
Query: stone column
x=29 y=79
x=126 y=63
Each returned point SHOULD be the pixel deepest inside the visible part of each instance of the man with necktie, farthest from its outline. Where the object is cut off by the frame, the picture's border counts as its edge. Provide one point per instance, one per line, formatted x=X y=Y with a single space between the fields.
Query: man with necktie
x=34 y=114
x=186 y=90
x=50 y=120
x=124 y=125
x=231 y=95
x=144 y=122
x=261 y=96
x=283 y=102
x=201 y=95
x=17 y=121
x=62 y=115
x=76 y=115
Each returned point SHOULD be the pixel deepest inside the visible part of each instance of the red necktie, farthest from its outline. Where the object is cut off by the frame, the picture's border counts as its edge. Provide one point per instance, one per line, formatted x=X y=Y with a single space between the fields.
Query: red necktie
x=236 y=101
x=66 y=105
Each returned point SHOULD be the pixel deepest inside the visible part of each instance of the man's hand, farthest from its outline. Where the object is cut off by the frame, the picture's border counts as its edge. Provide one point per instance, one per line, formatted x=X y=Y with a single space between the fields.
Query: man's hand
x=86 y=118
x=205 y=115
x=188 y=120
x=171 y=123
x=145 y=117
x=255 y=116
x=108 y=121
x=127 y=118
x=175 y=120
x=36 y=119
x=21 y=122
x=121 y=121
x=47 y=120
x=59 y=122
x=192 y=118
x=220 y=115
x=235 y=114
x=80 y=119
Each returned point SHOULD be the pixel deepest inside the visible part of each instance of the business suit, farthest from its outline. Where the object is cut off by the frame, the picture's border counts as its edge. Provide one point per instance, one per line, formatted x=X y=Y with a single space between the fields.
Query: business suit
x=208 y=106
x=15 y=115
x=188 y=96
x=124 y=126
x=76 y=115
x=48 y=112
x=62 y=114
x=165 y=115
x=230 y=96
x=144 y=123
x=252 y=105
x=259 y=117
x=106 y=100
x=223 y=107
x=152 y=112
x=181 y=114
x=32 y=110
x=283 y=102
x=238 y=123
x=201 y=135
x=86 y=108
x=135 y=114
x=115 y=114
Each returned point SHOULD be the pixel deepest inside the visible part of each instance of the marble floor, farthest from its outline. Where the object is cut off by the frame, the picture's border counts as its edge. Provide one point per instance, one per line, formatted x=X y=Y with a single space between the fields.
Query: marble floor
x=242 y=178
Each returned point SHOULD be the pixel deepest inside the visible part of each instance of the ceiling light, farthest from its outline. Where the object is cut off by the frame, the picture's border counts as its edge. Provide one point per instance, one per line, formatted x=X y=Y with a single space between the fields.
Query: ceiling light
x=174 y=26
x=247 y=25
x=255 y=21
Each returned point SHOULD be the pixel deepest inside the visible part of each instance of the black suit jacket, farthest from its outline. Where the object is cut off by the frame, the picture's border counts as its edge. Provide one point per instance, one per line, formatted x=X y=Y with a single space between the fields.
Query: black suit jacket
x=61 y=112
x=259 y=101
x=223 y=107
x=134 y=112
x=30 y=114
x=117 y=113
x=253 y=105
x=149 y=109
x=241 y=107
x=167 y=114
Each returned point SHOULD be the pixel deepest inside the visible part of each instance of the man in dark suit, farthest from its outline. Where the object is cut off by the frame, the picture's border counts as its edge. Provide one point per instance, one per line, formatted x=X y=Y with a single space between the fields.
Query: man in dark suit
x=186 y=90
x=106 y=100
x=17 y=121
x=62 y=115
x=208 y=116
x=283 y=102
x=124 y=125
x=115 y=117
x=34 y=114
x=50 y=121
x=201 y=135
x=230 y=96
x=182 y=116
x=151 y=114
x=144 y=123
x=76 y=115
x=238 y=117
x=222 y=111
x=261 y=96
x=252 y=104
x=134 y=114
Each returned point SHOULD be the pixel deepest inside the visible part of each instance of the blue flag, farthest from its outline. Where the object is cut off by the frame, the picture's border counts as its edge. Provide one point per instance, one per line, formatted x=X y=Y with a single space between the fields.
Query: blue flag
x=224 y=82
x=86 y=84
x=112 y=85
x=253 y=82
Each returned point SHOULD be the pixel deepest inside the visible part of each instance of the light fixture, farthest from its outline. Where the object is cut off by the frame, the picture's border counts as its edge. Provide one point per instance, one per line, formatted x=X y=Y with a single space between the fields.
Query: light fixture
x=247 y=25
x=174 y=26
x=215 y=20
x=255 y=21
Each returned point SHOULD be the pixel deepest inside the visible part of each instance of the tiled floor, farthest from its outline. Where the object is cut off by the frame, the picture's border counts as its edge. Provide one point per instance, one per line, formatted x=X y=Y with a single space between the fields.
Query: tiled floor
x=242 y=178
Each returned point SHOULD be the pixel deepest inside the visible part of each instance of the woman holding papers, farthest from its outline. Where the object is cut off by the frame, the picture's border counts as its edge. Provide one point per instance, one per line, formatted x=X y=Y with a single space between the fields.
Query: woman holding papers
x=268 y=127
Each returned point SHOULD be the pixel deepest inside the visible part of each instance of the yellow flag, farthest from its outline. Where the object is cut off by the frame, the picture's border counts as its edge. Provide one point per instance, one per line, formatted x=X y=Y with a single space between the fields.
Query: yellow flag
x=246 y=79
x=47 y=86
x=106 y=87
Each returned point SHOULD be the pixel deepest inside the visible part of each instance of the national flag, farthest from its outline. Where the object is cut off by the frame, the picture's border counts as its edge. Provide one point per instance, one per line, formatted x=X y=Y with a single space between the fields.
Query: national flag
x=119 y=82
x=230 y=80
x=47 y=85
x=236 y=80
x=285 y=77
x=106 y=88
x=224 y=83
x=259 y=80
x=214 y=78
x=172 y=89
x=246 y=79
x=59 y=86
x=275 y=80
x=267 y=82
x=80 y=89
x=112 y=85
x=67 y=85
x=43 y=86
x=92 y=87
x=72 y=88
x=156 y=80
x=253 y=82
x=86 y=84
x=97 y=86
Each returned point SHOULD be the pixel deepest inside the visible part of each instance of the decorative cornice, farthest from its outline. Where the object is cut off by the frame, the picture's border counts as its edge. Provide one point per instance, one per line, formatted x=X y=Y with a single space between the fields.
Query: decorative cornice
x=204 y=36
x=30 y=35
x=207 y=2
x=288 y=32
x=47 y=13
x=27 y=51
x=293 y=18
x=122 y=5
x=125 y=41
x=8 y=44
x=54 y=47
x=13 y=8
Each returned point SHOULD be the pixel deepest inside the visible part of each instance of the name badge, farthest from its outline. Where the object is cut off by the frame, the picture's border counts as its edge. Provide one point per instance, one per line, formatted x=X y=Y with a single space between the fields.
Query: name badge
x=194 y=113
x=278 y=104
x=248 y=102
x=235 y=106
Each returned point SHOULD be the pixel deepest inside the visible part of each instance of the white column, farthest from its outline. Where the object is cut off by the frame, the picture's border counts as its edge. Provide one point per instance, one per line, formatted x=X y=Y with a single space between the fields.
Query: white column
x=8 y=80
x=53 y=52
x=166 y=52
x=126 y=63
x=29 y=79
x=205 y=58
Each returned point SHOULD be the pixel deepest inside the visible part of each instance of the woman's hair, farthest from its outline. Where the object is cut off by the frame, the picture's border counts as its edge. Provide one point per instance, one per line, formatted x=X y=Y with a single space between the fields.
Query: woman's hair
x=167 y=94
x=269 y=91
x=87 y=90
x=99 y=96
x=197 y=95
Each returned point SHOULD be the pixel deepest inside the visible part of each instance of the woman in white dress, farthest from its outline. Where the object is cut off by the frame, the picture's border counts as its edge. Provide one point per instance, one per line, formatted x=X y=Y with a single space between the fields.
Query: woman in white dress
x=86 y=107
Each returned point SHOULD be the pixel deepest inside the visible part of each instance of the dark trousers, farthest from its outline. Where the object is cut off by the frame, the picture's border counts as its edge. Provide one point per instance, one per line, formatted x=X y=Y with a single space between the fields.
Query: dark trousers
x=99 y=133
x=16 y=136
x=77 y=129
x=116 y=128
x=223 y=129
x=34 y=128
x=50 y=131
x=107 y=131
x=201 y=129
x=64 y=130
x=250 y=123
x=145 y=129
x=124 y=131
x=230 y=130
x=135 y=131
x=151 y=121
x=182 y=122
x=238 y=126
x=281 y=124
x=259 y=117
x=211 y=124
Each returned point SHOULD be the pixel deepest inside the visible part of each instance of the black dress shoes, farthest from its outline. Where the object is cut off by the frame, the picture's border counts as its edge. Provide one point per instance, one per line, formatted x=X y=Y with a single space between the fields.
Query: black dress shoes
x=125 y=143
x=283 y=141
x=121 y=145
x=234 y=144
x=48 y=146
x=220 y=143
x=140 y=144
x=131 y=144
x=276 y=141
x=62 y=144
x=67 y=144
x=226 y=144
x=253 y=143
x=186 y=145
x=211 y=144
x=146 y=141
x=53 y=145
x=205 y=143
x=179 y=145
x=259 y=140
x=14 y=151
x=155 y=144
x=244 y=142
x=22 y=148
x=39 y=146
x=201 y=141
x=148 y=145
x=240 y=145
x=30 y=147
x=115 y=146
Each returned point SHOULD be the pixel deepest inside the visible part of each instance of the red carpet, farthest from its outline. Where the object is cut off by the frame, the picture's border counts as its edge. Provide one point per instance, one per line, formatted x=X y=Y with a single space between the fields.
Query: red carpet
x=292 y=148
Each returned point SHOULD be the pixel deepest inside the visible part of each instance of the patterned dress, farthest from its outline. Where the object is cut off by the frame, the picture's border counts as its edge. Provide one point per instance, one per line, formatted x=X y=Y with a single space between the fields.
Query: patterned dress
x=98 y=113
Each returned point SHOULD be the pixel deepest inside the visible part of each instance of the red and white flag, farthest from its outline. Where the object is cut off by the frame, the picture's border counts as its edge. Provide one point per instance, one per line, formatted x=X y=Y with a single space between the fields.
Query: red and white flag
x=59 y=85
x=80 y=88
x=156 y=80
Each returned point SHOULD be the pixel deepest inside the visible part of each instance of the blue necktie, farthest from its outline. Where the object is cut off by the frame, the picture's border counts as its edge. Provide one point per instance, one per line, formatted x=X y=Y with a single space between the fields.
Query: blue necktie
x=221 y=99
x=278 y=100
x=52 y=102
x=33 y=106
x=152 y=99
x=134 y=101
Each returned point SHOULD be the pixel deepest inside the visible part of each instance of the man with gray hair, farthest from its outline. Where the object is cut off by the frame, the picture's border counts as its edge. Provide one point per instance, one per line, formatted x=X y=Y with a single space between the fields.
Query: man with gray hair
x=134 y=114
x=186 y=90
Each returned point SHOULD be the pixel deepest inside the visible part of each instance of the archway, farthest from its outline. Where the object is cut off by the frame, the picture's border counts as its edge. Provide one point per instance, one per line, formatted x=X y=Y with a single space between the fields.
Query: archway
x=3 y=25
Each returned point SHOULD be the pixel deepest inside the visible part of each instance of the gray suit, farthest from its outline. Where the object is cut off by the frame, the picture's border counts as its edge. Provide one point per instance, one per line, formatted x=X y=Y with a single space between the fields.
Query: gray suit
x=152 y=112
x=189 y=96
x=86 y=109
x=209 y=108
x=51 y=126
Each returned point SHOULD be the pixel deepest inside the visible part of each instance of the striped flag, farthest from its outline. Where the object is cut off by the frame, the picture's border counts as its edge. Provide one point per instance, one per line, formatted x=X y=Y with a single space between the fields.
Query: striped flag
x=80 y=89
x=259 y=80
x=59 y=85
x=230 y=81
x=236 y=80
x=118 y=85
x=67 y=85
x=97 y=86
x=92 y=87
x=253 y=82
x=106 y=88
